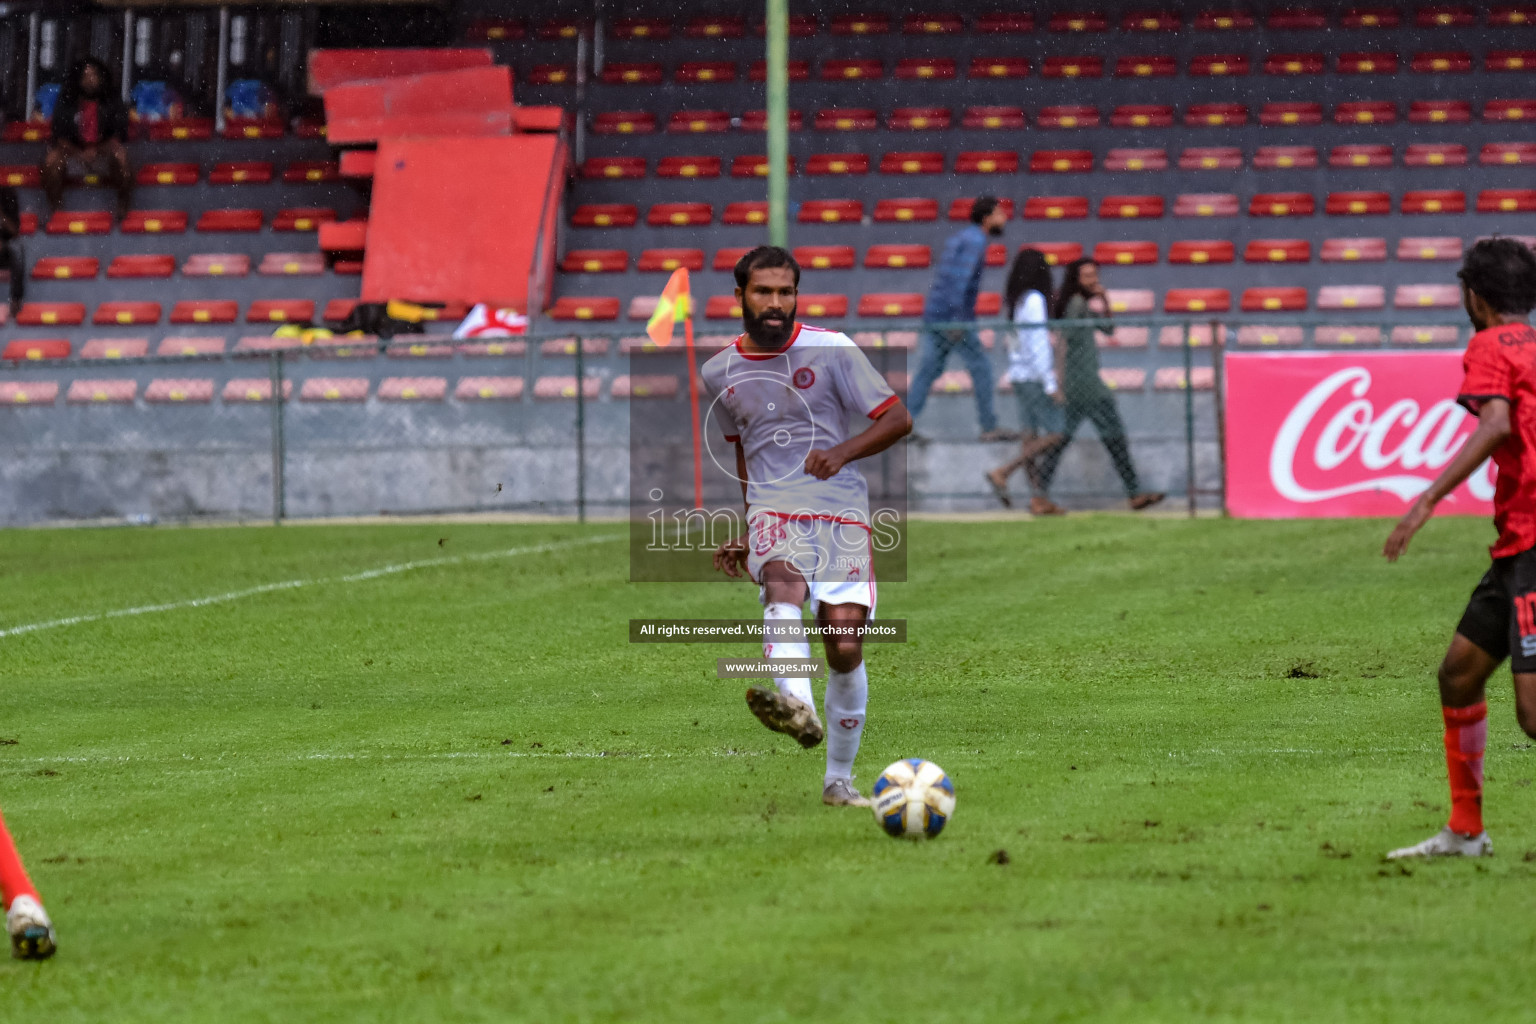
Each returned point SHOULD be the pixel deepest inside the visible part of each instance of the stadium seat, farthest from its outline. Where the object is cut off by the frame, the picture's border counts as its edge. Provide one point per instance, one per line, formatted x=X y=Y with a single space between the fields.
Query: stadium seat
x=1351 y=296
x=1434 y=200
x=1278 y=250
x=1273 y=299
x=1456 y=62
x=848 y=69
x=1288 y=113
x=757 y=121
x=860 y=24
x=929 y=24
x=1439 y=334
x=126 y=313
x=1357 y=204
x=230 y=220
x=697 y=122
x=1173 y=378
x=1505 y=153
x=1117 y=207
x=727 y=258
x=28 y=175
x=1130 y=300
x=912 y=163
x=1057 y=253
x=1151 y=66
x=641 y=28
x=1197 y=300
x=897 y=256
x=1360 y=156
x=1363 y=63
x=149 y=265
x=1268 y=336
x=1353 y=335
x=574 y=307
x=488 y=389
x=668 y=260
x=1201 y=251
x=1056 y=208
x=642 y=307
x=663 y=385
x=179 y=391
x=1270 y=158
x=624 y=122
x=79 y=222
x=1215 y=115
x=1078 y=21
x=595 y=261
x=998 y=67
x=1509 y=110
x=1294 y=64
x=915 y=119
x=67 y=314
x=703 y=72
x=755 y=166
x=239 y=390
x=1061 y=161
x=336 y=310
x=1433 y=154
x=551 y=29
x=1123 y=337
x=934 y=69
x=831 y=211
x=1444 y=16
x=1427 y=296
x=823 y=305
x=1506 y=200
x=300 y=172
x=413 y=389
x=1125 y=253
x=114 y=348
x=1197 y=336
x=799 y=71
x=65 y=267
x=620 y=72
x=1136 y=160
x=334 y=389
x=282 y=311
x=1216 y=65
x=100 y=392
x=1142 y=115
x=907 y=304
x=614 y=167
x=1440 y=247
x=1353 y=250
x=605 y=215
x=1510 y=60
x=905 y=210
x=837 y=163
x=216 y=264
x=688 y=167
x=153 y=174
x=205 y=311
x=1067 y=116
x=1072 y=67
x=154 y=222
x=1123 y=378
x=1439 y=111
x=1211 y=158
x=552 y=74
x=846 y=119
x=745 y=212
x=1206 y=204
x=31 y=350
x=826 y=257
x=292 y=264
x=1282 y=204
x=997 y=255
x=1150 y=21
x=241 y=172
x=1365 y=112
x=986 y=161
x=1511 y=15
x=722 y=307
x=186 y=347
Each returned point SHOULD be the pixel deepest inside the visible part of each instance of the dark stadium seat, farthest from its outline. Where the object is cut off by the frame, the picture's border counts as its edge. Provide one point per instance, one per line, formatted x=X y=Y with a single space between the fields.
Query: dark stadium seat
x=1434 y=200
x=860 y=25
x=595 y=261
x=1072 y=67
x=1218 y=65
x=205 y=311
x=755 y=166
x=1282 y=204
x=1061 y=161
x=986 y=161
x=1211 y=158
x=1368 y=155
x=688 y=167
x=1269 y=158
x=919 y=119
x=1067 y=116
x=936 y=69
x=1284 y=113
x=1077 y=21
x=672 y=259
x=912 y=163
x=1353 y=250
x=1506 y=200
x=230 y=220
x=1435 y=154
x=1294 y=64
x=1509 y=60
x=163 y=174
x=641 y=28
x=1383 y=62
x=1351 y=296
x=847 y=69
x=1365 y=112
x=826 y=257
x=241 y=172
x=312 y=172
x=1206 y=204
x=28 y=175
x=1136 y=160
x=757 y=121
x=903 y=304
x=1511 y=15
x=1129 y=207
x=905 y=210
x=897 y=256
x=680 y=215
x=831 y=211
x=698 y=122
x=1142 y=115
x=1125 y=253
x=1223 y=19
x=1273 y=299
x=837 y=163
x=65 y=267
x=1509 y=110
x=1457 y=62
x=1357 y=204
x=1215 y=115
x=624 y=122
x=1439 y=111
x=1445 y=16
x=1505 y=153
x=1201 y=251
x=147 y=265
x=799 y=70
x=51 y=314
x=1434 y=248
x=552 y=74
x=618 y=72
x=1278 y=250
x=1143 y=20
x=846 y=119
x=300 y=218
x=1197 y=300
x=998 y=67
x=703 y=72
x=722 y=307
x=1149 y=66
x=571 y=307
x=605 y=215
x=216 y=264
x=1055 y=208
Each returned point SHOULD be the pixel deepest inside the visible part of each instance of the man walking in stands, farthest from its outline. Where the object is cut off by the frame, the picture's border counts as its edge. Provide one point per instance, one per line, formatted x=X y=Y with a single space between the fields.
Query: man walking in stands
x=1498 y=287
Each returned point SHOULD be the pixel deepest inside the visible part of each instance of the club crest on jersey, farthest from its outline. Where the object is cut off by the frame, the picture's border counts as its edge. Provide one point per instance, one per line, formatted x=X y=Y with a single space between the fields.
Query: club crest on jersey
x=804 y=377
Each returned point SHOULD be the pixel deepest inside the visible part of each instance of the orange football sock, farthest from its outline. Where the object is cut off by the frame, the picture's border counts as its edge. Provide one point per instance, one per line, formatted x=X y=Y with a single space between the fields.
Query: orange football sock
x=1466 y=735
x=13 y=877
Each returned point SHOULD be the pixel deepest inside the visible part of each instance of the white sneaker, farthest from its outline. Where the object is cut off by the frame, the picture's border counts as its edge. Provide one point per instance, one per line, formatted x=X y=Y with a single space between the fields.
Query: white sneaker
x=840 y=793
x=30 y=930
x=1447 y=843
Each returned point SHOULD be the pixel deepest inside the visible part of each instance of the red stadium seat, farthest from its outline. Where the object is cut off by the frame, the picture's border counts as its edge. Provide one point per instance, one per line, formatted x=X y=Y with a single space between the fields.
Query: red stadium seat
x=1072 y=67
x=1150 y=21
x=1217 y=65
x=605 y=215
x=413 y=389
x=1268 y=335
x=1270 y=300
x=292 y=264
x=101 y=392
x=1278 y=250
x=1360 y=156
x=757 y=121
x=1357 y=204
x=230 y=220
x=1282 y=204
x=668 y=260
x=571 y=307
x=1345 y=334
x=180 y=391
x=1142 y=115
x=916 y=119
x=1197 y=300
x=722 y=307
x=1434 y=200
x=1365 y=112
x=1445 y=16
x=1205 y=204
x=702 y=72
x=1435 y=154
x=745 y=212
x=1354 y=250
x=205 y=311
x=35 y=349
x=1441 y=334
x=79 y=222
x=932 y=24
x=1057 y=253
x=852 y=119
x=31 y=392
x=1427 y=296
x=688 y=167
x=960 y=209
x=552 y=74
x=1510 y=60
x=1294 y=18
x=1509 y=110
x=755 y=166
x=301 y=218
x=698 y=122
x=216 y=264
x=619 y=72
x=860 y=25
x=158 y=174
x=851 y=69
x=642 y=386
x=986 y=161
x=1201 y=251
x=906 y=210
x=912 y=163
x=679 y=215
x=1061 y=161
x=1136 y=160
x=488 y=389
x=1131 y=207
x=338 y=389
x=727 y=258
x=301 y=172
x=1294 y=64
x=1439 y=111
x=152 y=222
x=1068 y=116
x=1270 y=158
x=1439 y=247
x=1223 y=19
x=823 y=305
x=1146 y=67
x=624 y=122
x=241 y=172
x=1211 y=158
x=722 y=27
x=1125 y=253
x=1279 y=114
x=1511 y=15
x=1004 y=23
x=831 y=211
x=825 y=257
x=1439 y=62
x=595 y=261
x=1130 y=300
x=837 y=163
x=1508 y=153
x=895 y=257
x=28 y=176
x=65 y=267
x=35 y=314
x=1215 y=115
x=1376 y=63
x=1506 y=200
x=125 y=313
x=998 y=67
x=1056 y=208
x=280 y=311
x=1078 y=21
x=908 y=304
x=799 y=71
x=936 y=69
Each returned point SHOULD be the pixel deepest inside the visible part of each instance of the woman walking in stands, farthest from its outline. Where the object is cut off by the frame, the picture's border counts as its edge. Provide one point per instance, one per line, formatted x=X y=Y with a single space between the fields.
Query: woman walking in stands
x=1087 y=396
x=25 y=919
x=1034 y=371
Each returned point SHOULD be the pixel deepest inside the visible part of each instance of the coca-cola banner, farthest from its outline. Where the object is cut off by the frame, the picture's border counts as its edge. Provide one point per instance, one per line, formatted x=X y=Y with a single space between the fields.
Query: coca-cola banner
x=1345 y=434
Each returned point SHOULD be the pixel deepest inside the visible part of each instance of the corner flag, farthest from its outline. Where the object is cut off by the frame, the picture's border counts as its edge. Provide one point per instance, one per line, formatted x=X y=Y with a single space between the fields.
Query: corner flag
x=676 y=303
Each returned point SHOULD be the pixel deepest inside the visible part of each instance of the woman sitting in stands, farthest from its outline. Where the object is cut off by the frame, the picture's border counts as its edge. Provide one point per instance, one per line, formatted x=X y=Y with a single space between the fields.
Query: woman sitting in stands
x=89 y=135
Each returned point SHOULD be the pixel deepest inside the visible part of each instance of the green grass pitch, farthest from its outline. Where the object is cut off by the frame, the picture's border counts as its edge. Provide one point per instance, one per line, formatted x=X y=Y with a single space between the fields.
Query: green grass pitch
x=456 y=793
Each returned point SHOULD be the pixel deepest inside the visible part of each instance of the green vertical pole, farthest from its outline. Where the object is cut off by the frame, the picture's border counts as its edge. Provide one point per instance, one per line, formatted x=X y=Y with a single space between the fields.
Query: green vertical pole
x=778 y=121
x=279 y=444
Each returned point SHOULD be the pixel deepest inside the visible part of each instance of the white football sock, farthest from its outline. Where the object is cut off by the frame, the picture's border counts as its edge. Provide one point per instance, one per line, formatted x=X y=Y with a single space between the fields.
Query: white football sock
x=778 y=615
x=847 y=696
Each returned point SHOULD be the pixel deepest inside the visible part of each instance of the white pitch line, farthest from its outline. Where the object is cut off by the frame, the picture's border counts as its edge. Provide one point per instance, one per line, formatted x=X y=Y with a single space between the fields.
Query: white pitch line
x=267 y=588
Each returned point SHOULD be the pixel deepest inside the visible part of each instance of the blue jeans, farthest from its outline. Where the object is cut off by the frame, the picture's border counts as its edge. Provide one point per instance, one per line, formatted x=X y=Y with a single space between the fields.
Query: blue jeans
x=934 y=353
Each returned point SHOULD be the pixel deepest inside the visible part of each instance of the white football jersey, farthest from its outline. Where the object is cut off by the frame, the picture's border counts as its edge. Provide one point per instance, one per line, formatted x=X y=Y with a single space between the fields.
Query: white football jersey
x=782 y=405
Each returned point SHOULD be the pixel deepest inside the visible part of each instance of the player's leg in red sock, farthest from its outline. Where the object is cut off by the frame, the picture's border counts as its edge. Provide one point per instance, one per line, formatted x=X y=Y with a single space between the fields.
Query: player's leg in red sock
x=13 y=877
x=1464 y=711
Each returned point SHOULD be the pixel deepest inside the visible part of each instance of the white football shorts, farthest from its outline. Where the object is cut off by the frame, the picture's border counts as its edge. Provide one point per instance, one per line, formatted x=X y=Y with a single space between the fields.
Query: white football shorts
x=833 y=554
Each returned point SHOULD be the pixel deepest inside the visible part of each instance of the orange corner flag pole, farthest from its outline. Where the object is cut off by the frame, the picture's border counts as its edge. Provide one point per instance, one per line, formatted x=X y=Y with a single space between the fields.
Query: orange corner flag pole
x=676 y=303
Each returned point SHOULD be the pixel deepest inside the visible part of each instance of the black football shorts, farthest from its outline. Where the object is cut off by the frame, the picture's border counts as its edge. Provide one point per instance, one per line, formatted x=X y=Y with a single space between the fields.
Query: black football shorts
x=1501 y=615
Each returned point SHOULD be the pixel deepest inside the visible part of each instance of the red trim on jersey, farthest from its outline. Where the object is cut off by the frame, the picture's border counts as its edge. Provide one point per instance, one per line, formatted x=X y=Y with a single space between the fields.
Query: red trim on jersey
x=877 y=410
x=768 y=355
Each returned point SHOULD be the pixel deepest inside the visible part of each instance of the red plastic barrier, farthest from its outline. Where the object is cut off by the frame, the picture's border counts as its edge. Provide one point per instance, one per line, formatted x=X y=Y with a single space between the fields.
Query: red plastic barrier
x=330 y=68
x=475 y=101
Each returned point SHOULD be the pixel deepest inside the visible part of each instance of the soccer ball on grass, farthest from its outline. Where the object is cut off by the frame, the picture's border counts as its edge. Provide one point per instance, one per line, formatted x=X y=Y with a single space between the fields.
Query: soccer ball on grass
x=913 y=799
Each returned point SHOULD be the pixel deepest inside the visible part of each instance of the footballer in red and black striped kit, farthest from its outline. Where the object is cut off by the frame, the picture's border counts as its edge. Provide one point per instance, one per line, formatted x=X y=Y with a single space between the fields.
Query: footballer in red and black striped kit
x=1498 y=284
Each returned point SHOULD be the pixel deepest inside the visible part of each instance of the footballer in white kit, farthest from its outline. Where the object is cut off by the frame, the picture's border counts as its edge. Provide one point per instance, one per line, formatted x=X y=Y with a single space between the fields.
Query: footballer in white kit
x=800 y=405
